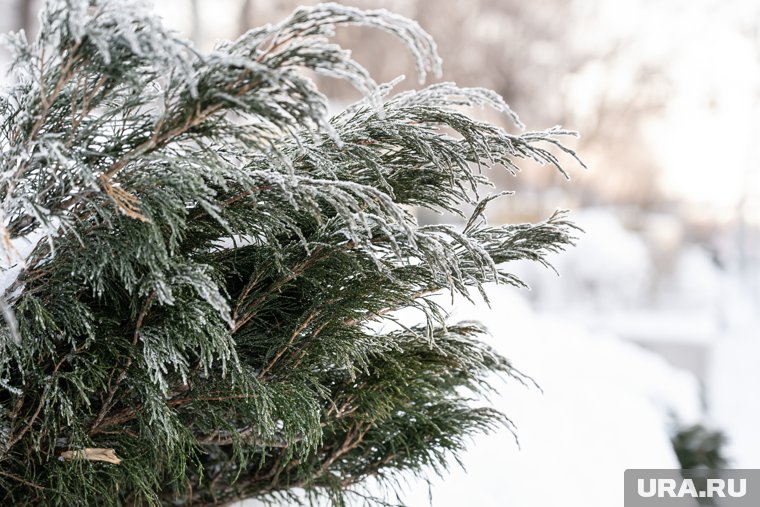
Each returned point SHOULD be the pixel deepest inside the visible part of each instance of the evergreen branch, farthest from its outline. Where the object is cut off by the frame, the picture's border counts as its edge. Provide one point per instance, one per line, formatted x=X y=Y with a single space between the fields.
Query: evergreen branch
x=308 y=320
x=254 y=306
x=14 y=439
x=209 y=255
x=113 y=385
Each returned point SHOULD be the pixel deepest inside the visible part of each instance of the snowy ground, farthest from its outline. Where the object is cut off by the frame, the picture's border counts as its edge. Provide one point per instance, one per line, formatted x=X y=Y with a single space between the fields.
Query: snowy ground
x=697 y=315
x=606 y=406
x=732 y=393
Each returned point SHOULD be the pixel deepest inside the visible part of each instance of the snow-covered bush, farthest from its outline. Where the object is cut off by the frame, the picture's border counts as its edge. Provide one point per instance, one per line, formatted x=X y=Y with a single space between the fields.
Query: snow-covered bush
x=207 y=251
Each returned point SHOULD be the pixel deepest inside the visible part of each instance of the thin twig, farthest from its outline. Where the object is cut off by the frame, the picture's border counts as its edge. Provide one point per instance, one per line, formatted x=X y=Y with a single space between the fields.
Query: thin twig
x=14 y=440
x=296 y=332
x=113 y=388
x=22 y=480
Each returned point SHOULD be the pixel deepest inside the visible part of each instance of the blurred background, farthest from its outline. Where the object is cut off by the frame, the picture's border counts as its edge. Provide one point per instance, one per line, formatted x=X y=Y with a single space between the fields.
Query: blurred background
x=647 y=346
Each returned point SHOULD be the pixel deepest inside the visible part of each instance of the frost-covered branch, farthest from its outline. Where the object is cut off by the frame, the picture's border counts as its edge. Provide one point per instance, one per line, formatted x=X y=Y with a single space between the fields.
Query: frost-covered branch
x=196 y=257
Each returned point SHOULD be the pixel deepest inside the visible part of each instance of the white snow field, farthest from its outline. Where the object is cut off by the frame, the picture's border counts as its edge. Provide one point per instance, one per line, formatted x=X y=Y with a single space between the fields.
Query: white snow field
x=697 y=315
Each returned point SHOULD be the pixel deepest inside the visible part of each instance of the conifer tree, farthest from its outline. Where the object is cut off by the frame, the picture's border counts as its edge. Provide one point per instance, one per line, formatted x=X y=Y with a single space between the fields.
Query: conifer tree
x=197 y=261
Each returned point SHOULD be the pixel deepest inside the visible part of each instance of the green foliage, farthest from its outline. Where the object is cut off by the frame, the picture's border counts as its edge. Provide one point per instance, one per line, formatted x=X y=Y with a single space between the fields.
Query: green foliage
x=698 y=447
x=210 y=259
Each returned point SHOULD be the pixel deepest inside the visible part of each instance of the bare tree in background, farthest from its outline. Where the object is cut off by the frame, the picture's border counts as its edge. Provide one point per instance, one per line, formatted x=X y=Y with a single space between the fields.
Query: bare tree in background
x=246 y=14
x=18 y=14
x=26 y=14
x=196 y=31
